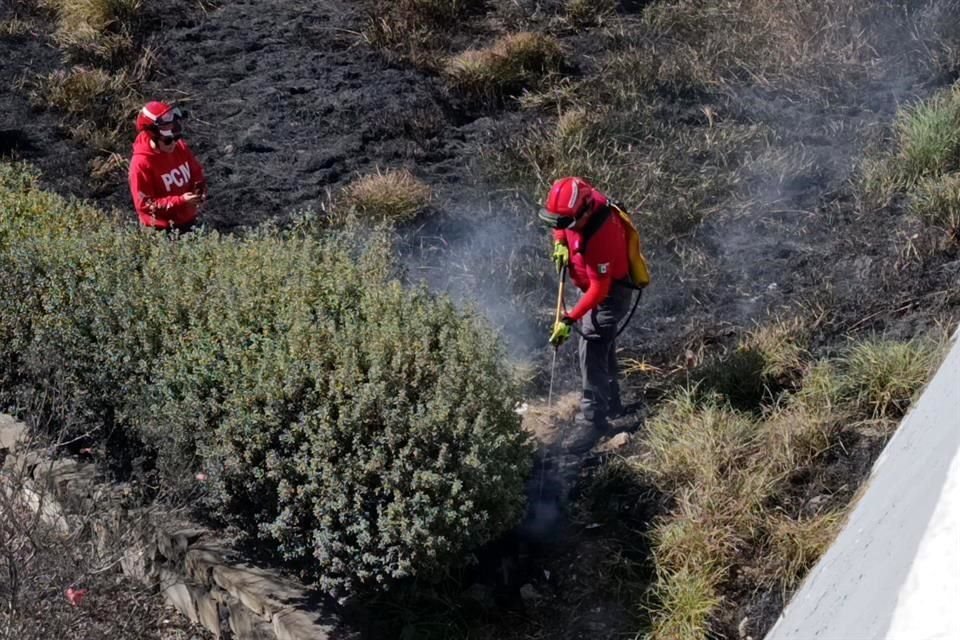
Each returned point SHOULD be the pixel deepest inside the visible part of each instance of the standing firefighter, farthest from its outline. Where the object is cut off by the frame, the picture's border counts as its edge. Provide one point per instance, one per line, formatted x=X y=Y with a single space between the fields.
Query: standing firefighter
x=166 y=181
x=597 y=242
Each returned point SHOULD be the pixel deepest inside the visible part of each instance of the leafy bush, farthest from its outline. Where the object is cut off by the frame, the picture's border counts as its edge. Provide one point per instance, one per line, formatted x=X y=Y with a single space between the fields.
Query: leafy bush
x=359 y=429
x=394 y=196
x=506 y=67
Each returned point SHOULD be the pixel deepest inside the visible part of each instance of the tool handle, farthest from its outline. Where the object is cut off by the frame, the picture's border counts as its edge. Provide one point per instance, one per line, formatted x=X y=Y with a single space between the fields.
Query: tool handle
x=563 y=281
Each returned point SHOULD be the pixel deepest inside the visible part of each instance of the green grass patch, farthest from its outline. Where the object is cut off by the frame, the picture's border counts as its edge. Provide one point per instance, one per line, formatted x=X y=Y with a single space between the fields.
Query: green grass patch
x=929 y=137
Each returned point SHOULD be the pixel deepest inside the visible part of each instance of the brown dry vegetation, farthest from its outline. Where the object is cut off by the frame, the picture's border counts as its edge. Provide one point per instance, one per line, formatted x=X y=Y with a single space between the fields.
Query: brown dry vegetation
x=746 y=514
x=393 y=196
x=99 y=93
x=512 y=63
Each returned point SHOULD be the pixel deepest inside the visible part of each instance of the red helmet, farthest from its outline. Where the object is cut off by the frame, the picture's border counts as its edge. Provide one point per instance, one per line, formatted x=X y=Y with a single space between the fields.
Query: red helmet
x=569 y=199
x=161 y=120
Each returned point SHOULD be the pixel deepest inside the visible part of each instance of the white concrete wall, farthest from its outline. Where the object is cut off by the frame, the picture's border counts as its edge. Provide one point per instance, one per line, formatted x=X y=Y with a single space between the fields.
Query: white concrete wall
x=893 y=573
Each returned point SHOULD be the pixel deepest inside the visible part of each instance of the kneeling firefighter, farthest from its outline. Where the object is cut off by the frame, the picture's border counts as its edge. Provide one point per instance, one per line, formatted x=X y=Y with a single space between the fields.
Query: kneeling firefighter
x=595 y=240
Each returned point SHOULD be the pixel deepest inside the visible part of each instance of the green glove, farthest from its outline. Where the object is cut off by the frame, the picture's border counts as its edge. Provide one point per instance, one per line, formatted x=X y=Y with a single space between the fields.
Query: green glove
x=561 y=256
x=561 y=331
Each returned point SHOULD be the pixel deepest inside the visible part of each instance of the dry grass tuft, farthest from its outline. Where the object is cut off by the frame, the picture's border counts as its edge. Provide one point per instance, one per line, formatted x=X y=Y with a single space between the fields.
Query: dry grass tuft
x=101 y=30
x=586 y=13
x=881 y=376
x=15 y=29
x=795 y=544
x=393 y=196
x=506 y=67
x=685 y=603
x=780 y=343
x=99 y=104
x=936 y=201
x=697 y=440
x=733 y=478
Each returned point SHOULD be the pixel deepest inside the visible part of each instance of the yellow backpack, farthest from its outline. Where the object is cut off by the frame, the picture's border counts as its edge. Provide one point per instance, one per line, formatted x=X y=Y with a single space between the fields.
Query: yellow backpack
x=639 y=271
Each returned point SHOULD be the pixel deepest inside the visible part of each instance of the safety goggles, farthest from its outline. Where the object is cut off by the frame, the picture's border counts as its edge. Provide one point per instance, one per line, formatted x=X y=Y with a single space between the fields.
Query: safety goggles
x=168 y=126
x=169 y=117
x=554 y=221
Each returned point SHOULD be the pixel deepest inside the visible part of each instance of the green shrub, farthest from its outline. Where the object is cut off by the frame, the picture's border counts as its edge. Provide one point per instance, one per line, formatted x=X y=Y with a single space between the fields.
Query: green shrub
x=359 y=429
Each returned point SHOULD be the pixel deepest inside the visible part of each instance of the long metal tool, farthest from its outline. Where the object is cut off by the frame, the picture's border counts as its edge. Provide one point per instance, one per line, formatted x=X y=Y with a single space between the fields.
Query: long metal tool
x=556 y=319
x=553 y=370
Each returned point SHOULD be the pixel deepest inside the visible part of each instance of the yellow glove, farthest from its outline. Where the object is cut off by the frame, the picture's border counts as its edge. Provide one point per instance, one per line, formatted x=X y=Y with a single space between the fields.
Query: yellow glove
x=561 y=331
x=561 y=256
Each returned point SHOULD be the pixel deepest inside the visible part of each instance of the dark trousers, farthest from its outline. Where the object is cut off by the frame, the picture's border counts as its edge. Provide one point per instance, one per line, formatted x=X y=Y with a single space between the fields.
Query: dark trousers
x=598 y=354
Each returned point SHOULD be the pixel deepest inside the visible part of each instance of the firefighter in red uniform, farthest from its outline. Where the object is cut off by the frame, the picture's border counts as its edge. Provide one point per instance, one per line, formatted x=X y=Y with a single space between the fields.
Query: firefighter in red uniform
x=591 y=240
x=166 y=181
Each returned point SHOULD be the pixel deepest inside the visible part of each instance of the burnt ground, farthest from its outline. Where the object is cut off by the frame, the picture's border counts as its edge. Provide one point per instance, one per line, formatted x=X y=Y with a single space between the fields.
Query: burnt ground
x=288 y=104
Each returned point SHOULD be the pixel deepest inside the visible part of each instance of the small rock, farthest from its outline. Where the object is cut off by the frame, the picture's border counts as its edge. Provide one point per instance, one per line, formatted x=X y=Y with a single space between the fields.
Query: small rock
x=481 y=594
x=618 y=441
x=528 y=593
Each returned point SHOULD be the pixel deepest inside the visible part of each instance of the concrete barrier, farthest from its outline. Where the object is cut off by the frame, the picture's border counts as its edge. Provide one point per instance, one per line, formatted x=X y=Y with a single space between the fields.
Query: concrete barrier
x=893 y=573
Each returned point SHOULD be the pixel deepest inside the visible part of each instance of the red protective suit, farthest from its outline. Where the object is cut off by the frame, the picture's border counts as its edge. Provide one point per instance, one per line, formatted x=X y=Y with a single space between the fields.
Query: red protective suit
x=158 y=181
x=604 y=262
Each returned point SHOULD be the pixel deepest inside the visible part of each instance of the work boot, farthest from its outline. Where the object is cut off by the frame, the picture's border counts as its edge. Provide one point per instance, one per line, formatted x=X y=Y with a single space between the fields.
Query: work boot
x=615 y=408
x=585 y=434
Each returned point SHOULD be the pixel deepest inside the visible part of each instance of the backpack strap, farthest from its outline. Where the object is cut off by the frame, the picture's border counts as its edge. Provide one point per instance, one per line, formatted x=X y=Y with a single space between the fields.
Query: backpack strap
x=592 y=226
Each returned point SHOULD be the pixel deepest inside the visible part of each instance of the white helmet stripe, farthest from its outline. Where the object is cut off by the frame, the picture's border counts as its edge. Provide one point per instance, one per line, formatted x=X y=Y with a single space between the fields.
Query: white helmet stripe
x=573 y=194
x=149 y=114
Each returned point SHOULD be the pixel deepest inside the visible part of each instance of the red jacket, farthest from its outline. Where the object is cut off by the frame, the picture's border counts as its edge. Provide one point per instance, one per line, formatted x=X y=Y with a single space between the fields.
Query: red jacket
x=158 y=181
x=604 y=262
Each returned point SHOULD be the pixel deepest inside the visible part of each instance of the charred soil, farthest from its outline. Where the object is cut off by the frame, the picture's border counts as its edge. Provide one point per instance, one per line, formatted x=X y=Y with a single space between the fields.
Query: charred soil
x=289 y=102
